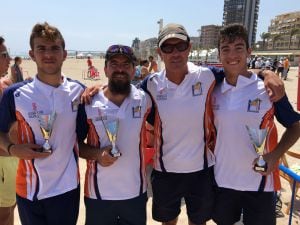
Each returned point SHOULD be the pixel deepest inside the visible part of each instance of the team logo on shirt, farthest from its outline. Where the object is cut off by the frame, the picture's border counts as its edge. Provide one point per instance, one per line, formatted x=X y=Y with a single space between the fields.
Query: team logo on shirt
x=75 y=105
x=34 y=112
x=162 y=94
x=137 y=111
x=197 y=89
x=101 y=116
x=254 y=105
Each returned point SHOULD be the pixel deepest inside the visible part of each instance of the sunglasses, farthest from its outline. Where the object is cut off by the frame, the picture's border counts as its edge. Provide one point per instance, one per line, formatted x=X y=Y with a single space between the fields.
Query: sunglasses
x=169 y=48
x=5 y=55
x=122 y=49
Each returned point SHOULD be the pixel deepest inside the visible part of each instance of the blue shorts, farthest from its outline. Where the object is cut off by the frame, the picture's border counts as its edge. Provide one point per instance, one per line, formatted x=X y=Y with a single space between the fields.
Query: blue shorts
x=57 y=210
x=258 y=208
x=196 y=188
x=111 y=212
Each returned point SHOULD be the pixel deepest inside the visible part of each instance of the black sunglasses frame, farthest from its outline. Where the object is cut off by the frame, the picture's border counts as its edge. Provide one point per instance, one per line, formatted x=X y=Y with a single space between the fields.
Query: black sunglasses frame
x=169 y=48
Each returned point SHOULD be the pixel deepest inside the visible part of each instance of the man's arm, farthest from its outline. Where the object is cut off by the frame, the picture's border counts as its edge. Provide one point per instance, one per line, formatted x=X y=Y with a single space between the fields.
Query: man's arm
x=102 y=155
x=290 y=119
x=274 y=85
x=8 y=119
x=288 y=139
x=3 y=152
x=89 y=92
x=22 y=151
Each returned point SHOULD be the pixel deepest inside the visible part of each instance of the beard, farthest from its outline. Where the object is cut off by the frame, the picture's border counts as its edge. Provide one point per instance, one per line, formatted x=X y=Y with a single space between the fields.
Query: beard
x=117 y=86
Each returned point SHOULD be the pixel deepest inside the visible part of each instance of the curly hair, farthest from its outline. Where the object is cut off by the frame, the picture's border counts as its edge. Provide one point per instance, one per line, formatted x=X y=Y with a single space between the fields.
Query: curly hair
x=233 y=32
x=45 y=31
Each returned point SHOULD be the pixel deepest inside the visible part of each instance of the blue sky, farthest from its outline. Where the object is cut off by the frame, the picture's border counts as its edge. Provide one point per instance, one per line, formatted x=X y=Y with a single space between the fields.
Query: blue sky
x=96 y=24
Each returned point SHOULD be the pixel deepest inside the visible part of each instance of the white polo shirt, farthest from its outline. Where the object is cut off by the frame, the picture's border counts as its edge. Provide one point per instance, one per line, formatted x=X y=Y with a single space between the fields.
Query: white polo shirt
x=57 y=173
x=182 y=114
x=247 y=103
x=125 y=178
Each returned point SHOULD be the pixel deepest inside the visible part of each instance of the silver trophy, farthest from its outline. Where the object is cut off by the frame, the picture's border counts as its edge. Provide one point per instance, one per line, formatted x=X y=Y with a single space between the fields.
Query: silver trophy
x=46 y=122
x=111 y=128
x=258 y=138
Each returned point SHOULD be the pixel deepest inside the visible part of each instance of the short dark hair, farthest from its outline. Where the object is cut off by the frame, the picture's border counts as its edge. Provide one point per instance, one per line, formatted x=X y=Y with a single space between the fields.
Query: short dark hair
x=1 y=40
x=231 y=33
x=46 y=31
x=17 y=58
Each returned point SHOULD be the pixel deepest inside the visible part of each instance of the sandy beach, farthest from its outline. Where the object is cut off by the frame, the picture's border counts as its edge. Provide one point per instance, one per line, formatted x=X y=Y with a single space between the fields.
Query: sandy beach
x=74 y=68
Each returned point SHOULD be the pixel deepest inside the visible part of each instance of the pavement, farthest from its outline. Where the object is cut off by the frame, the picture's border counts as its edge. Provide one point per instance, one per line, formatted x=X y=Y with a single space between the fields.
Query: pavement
x=291 y=86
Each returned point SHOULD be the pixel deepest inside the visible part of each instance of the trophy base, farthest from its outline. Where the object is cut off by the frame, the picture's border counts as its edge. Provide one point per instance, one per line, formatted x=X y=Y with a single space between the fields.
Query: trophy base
x=43 y=150
x=260 y=168
x=116 y=154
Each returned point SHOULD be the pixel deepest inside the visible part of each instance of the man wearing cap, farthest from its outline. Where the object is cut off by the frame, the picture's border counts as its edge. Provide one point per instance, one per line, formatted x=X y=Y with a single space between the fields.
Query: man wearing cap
x=184 y=131
x=115 y=185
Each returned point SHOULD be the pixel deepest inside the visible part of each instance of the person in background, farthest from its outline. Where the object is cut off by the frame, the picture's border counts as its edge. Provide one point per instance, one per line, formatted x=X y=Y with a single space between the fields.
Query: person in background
x=8 y=165
x=242 y=96
x=286 y=66
x=280 y=67
x=89 y=62
x=144 y=68
x=153 y=65
x=16 y=70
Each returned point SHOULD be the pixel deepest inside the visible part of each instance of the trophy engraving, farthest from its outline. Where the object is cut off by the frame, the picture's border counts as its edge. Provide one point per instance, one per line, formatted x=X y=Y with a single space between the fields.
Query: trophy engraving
x=258 y=138
x=111 y=128
x=46 y=122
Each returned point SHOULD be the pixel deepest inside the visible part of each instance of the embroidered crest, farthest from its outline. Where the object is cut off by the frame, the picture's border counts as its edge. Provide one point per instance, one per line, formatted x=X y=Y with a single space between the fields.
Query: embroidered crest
x=197 y=89
x=162 y=94
x=75 y=105
x=137 y=111
x=254 y=105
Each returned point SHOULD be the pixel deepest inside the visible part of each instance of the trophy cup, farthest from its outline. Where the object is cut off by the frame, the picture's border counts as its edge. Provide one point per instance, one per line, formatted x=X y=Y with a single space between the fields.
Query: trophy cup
x=46 y=124
x=111 y=128
x=258 y=138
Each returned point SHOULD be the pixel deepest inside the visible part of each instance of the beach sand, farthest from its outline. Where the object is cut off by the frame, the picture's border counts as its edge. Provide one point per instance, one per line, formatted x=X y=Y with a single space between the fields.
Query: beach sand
x=74 y=68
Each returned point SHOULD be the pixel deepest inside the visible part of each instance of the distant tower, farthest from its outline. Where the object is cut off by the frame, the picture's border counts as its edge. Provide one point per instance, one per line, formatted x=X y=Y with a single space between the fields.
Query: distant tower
x=244 y=12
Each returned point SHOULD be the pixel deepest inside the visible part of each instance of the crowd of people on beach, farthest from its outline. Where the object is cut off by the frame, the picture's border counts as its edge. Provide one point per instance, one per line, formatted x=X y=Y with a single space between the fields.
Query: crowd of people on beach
x=281 y=66
x=201 y=122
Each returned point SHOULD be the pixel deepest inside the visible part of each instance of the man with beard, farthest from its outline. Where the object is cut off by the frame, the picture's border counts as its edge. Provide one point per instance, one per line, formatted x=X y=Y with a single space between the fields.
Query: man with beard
x=115 y=184
x=47 y=183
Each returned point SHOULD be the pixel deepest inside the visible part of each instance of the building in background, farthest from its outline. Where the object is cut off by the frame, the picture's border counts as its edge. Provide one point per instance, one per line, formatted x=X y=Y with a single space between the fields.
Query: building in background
x=244 y=12
x=284 y=32
x=195 y=42
x=143 y=49
x=209 y=36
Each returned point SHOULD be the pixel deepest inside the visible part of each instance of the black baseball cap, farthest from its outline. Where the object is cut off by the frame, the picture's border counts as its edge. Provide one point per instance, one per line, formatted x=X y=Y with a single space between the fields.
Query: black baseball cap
x=120 y=50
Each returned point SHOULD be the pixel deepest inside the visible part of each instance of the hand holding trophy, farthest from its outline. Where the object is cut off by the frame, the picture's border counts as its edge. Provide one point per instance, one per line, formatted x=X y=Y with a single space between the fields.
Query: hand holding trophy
x=111 y=128
x=46 y=122
x=258 y=138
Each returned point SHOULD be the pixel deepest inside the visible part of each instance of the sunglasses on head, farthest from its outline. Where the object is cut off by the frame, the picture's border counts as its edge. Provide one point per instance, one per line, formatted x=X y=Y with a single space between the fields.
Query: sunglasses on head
x=119 y=49
x=169 y=48
x=5 y=54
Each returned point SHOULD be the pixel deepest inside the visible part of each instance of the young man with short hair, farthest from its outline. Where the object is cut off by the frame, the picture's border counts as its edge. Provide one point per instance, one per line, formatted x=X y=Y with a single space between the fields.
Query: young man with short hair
x=47 y=183
x=242 y=101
